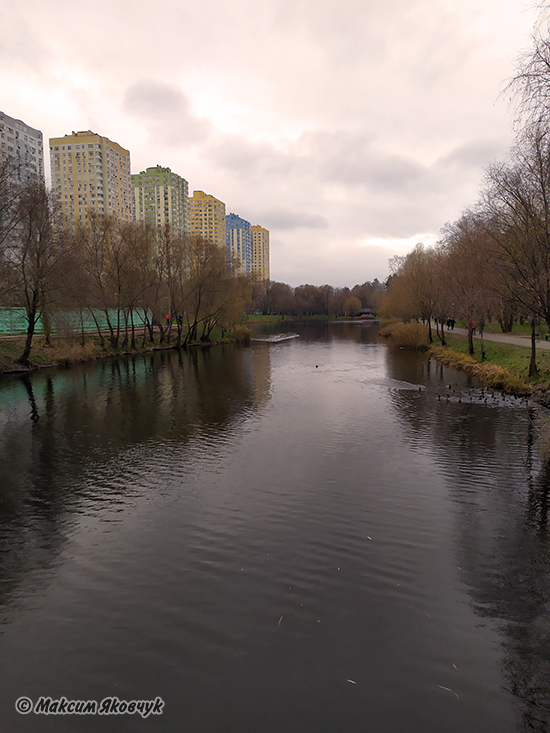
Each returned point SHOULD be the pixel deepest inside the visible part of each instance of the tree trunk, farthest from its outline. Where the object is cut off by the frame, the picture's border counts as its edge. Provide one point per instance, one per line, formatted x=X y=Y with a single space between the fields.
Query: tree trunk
x=533 y=371
x=470 y=338
x=24 y=358
x=133 y=341
x=46 y=325
x=31 y=318
x=98 y=327
x=442 y=337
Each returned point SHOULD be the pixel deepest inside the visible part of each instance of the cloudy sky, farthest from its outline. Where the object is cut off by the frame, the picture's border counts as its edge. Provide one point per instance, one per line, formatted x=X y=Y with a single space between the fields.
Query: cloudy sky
x=351 y=129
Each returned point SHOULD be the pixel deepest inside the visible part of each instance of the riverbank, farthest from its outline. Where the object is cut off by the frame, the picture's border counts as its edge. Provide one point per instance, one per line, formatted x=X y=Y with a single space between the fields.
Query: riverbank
x=68 y=351
x=259 y=319
x=488 y=373
x=505 y=366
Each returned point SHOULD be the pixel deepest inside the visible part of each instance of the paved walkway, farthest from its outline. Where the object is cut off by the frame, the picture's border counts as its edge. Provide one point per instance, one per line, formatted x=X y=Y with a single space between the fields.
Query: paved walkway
x=504 y=338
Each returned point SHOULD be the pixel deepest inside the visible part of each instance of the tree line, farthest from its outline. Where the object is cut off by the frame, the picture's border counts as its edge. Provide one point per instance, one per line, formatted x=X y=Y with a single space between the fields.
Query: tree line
x=176 y=288
x=119 y=273
x=271 y=297
x=493 y=262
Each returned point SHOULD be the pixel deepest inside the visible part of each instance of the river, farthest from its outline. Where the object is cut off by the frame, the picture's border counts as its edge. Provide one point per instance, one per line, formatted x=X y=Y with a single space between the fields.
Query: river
x=316 y=533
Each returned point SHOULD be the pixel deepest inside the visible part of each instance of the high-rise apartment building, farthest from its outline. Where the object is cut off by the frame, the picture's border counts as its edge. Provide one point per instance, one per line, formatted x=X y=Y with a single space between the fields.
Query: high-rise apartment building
x=89 y=173
x=161 y=197
x=207 y=217
x=23 y=145
x=260 y=253
x=239 y=243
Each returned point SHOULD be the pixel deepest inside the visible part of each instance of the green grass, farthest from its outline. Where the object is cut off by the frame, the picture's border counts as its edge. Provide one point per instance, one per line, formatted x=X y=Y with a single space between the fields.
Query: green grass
x=517 y=329
x=263 y=319
x=250 y=319
x=514 y=360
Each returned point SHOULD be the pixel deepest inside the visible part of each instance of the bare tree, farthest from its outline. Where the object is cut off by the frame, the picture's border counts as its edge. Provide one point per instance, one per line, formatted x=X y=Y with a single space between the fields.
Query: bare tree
x=352 y=305
x=104 y=254
x=467 y=248
x=31 y=255
x=10 y=192
x=516 y=203
x=530 y=86
x=416 y=287
x=138 y=274
x=206 y=286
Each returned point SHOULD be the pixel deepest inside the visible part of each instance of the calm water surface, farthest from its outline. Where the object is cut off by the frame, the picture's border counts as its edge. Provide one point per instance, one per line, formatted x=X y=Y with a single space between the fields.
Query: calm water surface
x=304 y=535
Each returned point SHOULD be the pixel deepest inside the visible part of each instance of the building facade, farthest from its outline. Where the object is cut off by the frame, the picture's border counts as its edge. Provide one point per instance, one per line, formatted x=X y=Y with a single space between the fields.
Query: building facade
x=207 y=217
x=89 y=173
x=161 y=197
x=24 y=145
x=260 y=253
x=239 y=243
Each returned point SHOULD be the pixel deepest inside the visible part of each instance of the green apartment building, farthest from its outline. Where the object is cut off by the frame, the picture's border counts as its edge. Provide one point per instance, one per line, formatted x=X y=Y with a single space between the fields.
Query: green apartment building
x=161 y=197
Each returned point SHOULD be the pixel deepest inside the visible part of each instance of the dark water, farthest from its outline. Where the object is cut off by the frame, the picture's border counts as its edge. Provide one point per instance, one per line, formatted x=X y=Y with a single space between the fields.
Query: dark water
x=296 y=536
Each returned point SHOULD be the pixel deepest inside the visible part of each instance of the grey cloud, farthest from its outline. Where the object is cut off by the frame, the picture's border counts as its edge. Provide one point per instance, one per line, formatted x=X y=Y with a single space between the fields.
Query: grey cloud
x=234 y=153
x=166 y=111
x=386 y=194
x=351 y=159
x=286 y=219
x=373 y=170
x=22 y=45
x=343 y=158
x=473 y=154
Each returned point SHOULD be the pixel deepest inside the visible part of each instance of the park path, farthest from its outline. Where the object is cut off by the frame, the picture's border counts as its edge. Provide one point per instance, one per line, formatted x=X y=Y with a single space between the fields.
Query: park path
x=503 y=338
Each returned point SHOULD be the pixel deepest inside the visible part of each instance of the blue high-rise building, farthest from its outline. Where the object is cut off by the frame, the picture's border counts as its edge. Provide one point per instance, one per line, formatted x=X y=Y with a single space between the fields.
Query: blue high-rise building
x=239 y=243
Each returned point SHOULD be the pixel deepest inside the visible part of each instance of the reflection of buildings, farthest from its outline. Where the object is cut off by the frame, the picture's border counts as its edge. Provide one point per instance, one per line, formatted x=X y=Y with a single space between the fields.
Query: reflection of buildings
x=61 y=435
x=161 y=197
x=260 y=354
x=89 y=173
x=23 y=145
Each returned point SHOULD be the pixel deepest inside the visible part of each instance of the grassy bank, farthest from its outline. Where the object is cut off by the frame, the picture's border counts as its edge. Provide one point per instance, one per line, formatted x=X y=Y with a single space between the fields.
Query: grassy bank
x=489 y=373
x=505 y=367
x=65 y=352
x=251 y=320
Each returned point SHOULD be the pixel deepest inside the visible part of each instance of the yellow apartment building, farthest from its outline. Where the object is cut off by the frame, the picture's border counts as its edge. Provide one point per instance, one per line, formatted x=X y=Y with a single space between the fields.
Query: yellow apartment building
x=207 y=217
x=260 y=253
x=89 y=173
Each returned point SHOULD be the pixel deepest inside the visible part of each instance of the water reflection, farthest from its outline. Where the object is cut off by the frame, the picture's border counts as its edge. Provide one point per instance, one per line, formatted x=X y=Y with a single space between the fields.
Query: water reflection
x=267 y=523
x=500 y=490
x=61 y=428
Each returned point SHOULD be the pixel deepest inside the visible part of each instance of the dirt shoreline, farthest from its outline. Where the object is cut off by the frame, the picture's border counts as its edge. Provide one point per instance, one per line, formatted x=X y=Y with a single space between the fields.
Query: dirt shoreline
x=73 y=355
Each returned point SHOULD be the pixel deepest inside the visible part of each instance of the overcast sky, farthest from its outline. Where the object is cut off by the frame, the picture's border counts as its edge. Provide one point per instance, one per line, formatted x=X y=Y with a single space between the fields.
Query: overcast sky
x=351 y=129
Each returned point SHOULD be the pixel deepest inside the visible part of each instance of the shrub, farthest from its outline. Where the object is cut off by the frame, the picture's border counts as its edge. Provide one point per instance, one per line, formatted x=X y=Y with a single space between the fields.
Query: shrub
x=412 y=335
x=241 y=334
